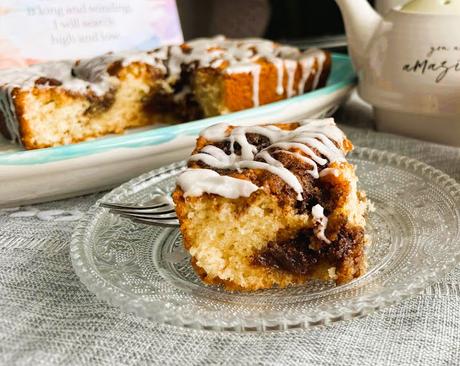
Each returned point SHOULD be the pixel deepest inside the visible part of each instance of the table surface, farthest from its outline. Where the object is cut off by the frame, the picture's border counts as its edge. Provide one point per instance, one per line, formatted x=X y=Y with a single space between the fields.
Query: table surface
x=48 y=317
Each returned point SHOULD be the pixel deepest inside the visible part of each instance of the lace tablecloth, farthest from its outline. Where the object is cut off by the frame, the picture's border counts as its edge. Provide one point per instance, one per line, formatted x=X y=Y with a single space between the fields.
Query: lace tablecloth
x=47 y=317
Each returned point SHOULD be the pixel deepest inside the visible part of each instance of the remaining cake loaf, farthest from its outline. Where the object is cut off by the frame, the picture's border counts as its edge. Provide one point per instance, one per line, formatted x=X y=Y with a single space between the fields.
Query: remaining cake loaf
x=65 y=102
x=272 y=205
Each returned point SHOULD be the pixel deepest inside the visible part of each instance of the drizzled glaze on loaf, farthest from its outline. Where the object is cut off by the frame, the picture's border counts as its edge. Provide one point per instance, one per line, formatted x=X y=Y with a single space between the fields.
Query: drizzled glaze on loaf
x=319 y=142
x=242 y=56
x=232 y=56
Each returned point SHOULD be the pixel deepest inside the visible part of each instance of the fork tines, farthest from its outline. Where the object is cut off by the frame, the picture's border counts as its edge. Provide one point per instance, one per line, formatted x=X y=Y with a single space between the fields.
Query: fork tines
x=162 y=214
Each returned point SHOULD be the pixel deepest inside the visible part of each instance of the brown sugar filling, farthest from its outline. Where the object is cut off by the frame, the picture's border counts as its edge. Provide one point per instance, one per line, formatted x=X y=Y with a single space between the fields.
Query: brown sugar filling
x=292 y=255
x=295 y=255
x=100 y=104
x=183 y=109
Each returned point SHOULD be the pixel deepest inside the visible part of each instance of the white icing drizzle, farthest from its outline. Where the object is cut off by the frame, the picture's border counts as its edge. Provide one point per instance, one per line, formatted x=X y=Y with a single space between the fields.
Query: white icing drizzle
x=307 y=66
x=94 y=70
x=320 y=58
x=153 y=58
x=214 y=132
x=314 y=56
x=231 y=55
x=254 y=70
x=317 y=212
x=279 y=64
x=25 y=78
x=285 y=146
x=255 y=85
x=291 y=67
x=330 y=171
x=309 y=137
x=195 y=182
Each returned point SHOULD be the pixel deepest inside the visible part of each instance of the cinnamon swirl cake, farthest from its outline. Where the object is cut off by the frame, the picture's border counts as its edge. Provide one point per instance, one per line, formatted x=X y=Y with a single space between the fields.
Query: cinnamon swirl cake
x=66 y=102
x=272 y=205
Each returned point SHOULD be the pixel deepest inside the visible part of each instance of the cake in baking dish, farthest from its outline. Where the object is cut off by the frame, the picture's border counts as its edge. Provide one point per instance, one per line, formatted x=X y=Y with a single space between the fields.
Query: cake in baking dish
x=65 y=102
x=272 y=205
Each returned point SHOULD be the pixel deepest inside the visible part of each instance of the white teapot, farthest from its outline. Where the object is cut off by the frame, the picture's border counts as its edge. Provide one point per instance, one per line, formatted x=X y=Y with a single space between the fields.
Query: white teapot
x=408 y=64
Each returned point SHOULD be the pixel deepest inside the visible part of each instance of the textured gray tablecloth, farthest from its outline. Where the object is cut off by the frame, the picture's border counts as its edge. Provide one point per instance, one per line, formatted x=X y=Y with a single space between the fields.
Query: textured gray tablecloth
x=47 y=317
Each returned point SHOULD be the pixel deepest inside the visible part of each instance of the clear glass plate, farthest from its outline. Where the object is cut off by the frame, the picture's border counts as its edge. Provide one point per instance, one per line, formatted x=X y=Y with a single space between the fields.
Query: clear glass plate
x=144 y=269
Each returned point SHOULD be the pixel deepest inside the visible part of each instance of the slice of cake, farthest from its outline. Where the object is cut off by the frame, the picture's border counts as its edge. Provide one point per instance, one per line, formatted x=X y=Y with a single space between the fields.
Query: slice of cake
x=272 y=205
x=65 y=102
x=62 y=102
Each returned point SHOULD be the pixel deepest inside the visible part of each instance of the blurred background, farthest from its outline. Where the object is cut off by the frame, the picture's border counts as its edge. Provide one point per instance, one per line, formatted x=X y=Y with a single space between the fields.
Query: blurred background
x=296 y=21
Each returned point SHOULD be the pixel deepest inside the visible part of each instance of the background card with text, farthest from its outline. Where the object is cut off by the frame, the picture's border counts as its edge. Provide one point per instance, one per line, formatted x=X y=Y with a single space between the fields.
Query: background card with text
x=34 y=31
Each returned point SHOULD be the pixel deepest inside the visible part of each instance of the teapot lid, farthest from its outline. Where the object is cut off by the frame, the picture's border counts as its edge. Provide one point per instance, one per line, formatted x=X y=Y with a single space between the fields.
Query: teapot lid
x=432 y=7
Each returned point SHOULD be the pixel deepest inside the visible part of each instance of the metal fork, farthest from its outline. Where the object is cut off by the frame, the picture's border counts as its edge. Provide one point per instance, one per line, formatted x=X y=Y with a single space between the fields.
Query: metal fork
x=160 y=214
